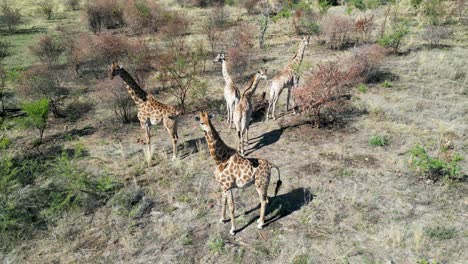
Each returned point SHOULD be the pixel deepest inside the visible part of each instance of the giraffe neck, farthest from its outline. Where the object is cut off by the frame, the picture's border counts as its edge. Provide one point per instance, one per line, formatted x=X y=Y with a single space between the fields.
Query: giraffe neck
x=219 y=151
x=250 y=89
x=297 y=59
x=226 y=76
x=134 y=90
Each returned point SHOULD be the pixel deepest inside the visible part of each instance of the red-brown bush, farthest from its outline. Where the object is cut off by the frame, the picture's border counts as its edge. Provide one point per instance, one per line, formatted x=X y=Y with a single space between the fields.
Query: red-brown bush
x=329 y=84
x=363 y=27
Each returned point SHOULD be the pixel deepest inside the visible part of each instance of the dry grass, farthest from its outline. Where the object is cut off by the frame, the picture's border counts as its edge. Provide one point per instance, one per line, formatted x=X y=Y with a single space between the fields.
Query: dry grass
x=343 y=200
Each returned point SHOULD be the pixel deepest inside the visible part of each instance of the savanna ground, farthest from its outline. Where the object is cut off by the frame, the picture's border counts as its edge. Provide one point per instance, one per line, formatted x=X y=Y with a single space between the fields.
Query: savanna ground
x=349 y=192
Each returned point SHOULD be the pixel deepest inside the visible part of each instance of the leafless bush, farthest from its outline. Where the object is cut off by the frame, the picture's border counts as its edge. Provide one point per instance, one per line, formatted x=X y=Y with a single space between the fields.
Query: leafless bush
x=73 y=4
x=139 y=60
x=364 y=62
x=143 y=16
x=330 y=82
x=46 y=7
x=363 y=27
x=337 y=31
x=175 y=24
x=434 y=34
x=250 y=5
x=43 y=82
x=48 y=49
x=11 y=15
x=183 y=64
x=202 y=3
x=240 y=43
x=119 y=100
x=104 y=14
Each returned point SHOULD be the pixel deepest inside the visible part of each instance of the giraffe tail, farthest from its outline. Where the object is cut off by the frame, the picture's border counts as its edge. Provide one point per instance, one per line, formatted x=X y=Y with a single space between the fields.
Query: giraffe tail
x=279 y=182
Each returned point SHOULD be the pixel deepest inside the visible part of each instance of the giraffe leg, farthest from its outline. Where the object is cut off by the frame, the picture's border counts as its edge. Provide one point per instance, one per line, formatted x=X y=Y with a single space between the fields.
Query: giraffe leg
x=223 y=207
x=288 y=98
x=263 y=201
x=231 y=209
x=148 y=141
x=228 y=110
x=296 y=83
x=274 y=107
x=171 y=127
x=270 y=103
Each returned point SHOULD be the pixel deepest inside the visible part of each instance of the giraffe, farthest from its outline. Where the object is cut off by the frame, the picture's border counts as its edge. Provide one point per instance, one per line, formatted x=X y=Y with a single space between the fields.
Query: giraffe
x=150 y=111
x=234 y=171
x=243 y=110
x=231 y=93
x=287 y=78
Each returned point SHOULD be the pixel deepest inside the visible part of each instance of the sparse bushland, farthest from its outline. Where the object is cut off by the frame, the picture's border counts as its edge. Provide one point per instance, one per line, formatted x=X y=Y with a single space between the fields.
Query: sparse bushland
x=11 y=15
x=104 y=14
x=43 y=82
x=46 y=8
x=446 y=169
x=28 y=208
x=48 y=49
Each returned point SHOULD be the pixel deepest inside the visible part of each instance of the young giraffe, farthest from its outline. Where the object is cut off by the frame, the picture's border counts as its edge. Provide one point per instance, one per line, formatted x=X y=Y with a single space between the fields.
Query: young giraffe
x=231 y=93
x=287 y=78
x=234 y=171
x=243 y=110
x=150 y=111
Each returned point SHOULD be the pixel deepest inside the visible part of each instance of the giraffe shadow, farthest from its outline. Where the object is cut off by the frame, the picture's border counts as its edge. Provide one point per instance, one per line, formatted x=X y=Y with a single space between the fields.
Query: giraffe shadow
x=190 y=147
x=281 y=206
x=265 y=140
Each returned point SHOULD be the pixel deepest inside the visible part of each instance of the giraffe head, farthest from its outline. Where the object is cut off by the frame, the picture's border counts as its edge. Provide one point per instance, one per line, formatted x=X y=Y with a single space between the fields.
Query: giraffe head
x=262 y=73
x=306 y=40
x=204 y=119
x=114 y=70
x=220 y=57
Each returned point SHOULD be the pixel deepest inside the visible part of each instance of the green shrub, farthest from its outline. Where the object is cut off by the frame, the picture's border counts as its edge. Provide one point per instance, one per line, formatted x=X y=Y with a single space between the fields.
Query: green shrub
x=435 y=168
x=216 y=244
x=302 y=259
x=386 y=84
x=441 y=232
x=393 y=39
x=34 y=193
x=324 y=5
x=379 y=141
x=4 y=142
x=36 y=116
x=362 y=88
x=359 y=4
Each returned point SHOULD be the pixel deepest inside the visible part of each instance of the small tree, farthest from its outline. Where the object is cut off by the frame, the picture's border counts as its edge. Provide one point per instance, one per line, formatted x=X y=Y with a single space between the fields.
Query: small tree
x=36 y=116
x=212 y=33
x=263 y=24
x=73 y=4
x=183 y=64
x=121 y=104
x=11 y=15
x=46 y=7
x=393 y=39
x=43 y=82
x=5 y=51
x=48 y=50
